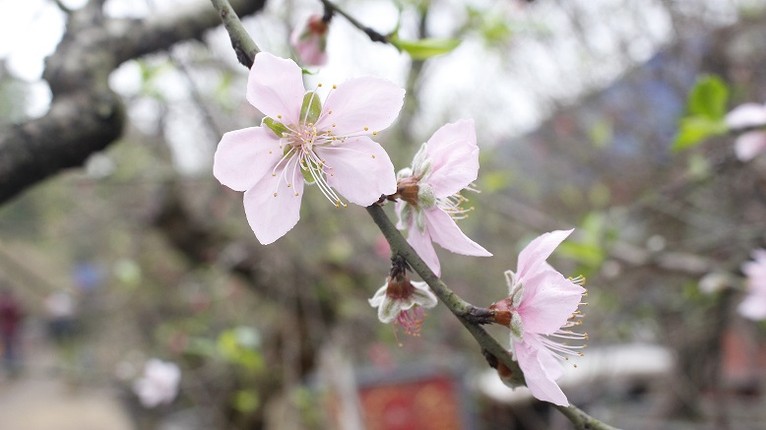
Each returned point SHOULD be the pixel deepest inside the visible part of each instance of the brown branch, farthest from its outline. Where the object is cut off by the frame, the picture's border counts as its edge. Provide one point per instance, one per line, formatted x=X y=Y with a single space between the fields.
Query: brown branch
x=85 y=115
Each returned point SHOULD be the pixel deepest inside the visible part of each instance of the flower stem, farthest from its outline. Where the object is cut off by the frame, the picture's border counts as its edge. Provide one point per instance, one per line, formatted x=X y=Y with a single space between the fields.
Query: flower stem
x=466 y=314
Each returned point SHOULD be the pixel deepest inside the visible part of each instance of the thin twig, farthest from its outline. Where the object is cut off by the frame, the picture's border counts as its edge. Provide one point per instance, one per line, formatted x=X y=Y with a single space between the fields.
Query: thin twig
x=372 y=34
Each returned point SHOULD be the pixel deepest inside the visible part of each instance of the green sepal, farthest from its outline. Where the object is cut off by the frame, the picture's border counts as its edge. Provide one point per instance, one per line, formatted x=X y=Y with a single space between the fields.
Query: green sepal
x=311 y=108
x=277 y=127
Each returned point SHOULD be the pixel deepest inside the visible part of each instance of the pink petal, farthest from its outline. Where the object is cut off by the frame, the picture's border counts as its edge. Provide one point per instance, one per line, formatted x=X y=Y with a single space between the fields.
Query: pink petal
x=534 y=254
x=245 y=156
x=746 y=115
x=454 y=158
x=421 y=243
x=359 y=169
x=361 y=105
x=275 y=87
x=271 y=216
x=445 y=232
x=750 y=144
x=540 y=373
x=753 y=307
x=548 y=302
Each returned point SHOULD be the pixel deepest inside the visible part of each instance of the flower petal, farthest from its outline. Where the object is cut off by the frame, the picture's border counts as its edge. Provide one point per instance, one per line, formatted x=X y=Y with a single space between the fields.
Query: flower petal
x=359 y=169
x=389 y=309
x=360 y=103
x=420 y=241
x=539 y=372
x=750 y=144
x=548 y=302
x=753 y=307
x=534 y=254
x=379 y=295
x=245 y=156
x=445 y=232
x=423 y=295
x=275 y=87
x=746 y=115
x=454 y=158
x=272 y=216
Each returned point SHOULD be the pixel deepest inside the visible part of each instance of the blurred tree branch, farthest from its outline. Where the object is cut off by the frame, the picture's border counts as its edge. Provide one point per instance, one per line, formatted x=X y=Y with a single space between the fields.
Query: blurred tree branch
x=85 y=115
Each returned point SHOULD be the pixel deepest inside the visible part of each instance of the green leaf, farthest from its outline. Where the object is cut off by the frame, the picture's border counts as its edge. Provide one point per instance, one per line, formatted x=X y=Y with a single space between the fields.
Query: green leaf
x=425 y=48
x=277 y=127
x=694 y=129
x=708 y=98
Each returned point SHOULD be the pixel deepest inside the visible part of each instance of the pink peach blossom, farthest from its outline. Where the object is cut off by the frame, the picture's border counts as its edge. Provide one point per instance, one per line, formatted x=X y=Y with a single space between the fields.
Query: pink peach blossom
x=302 y=141
x=310 y=41
x=751 y=143
x=159 y=383
x=429 y=193
x=754 y=305
x=539 y=308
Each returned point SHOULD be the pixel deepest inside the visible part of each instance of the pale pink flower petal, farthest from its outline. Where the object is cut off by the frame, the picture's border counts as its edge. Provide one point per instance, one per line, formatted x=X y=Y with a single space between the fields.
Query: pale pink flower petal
x=360 y=170
x=244 y=156
x=420 y=241
x=746 y=115
x=548 y=301
x=444 y=231
x=534 y=255
x=159 y=383
x=753 y=307
x=272 y=216
x=754 y=304
x=454 y=158
x=361 y=106
x=750 y=144
x=275 y=87
x=541 y=370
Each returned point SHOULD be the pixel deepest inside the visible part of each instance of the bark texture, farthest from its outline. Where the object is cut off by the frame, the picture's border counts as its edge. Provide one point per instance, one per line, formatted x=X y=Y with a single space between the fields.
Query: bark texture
x=85 y=115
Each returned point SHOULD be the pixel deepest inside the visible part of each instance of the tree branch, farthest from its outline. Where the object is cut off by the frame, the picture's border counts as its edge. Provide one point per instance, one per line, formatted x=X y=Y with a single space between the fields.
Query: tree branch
x=85 y=115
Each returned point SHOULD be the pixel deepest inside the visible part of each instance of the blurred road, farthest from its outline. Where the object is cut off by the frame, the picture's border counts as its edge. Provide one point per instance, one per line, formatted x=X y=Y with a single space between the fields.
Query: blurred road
x=40 y=398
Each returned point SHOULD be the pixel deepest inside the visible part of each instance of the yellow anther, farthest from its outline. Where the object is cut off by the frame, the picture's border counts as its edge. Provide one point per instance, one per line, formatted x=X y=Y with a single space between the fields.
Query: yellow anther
x=319 y=85
x=374 y=133
x=334 y=86
x=279 y=116
x=367 y=129
x=373 y=155
x=275 y=194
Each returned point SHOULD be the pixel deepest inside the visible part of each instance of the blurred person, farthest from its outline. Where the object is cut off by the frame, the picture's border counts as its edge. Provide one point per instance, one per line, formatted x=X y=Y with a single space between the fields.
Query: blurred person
x=11 y=315
x=60 y=308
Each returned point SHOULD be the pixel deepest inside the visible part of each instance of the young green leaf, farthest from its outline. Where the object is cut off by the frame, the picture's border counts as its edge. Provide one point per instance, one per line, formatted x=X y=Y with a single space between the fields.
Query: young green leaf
x=425 y=48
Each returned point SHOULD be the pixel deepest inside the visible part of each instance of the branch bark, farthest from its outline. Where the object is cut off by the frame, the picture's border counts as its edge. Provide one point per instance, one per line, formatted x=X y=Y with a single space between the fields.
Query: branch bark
x=85 y=115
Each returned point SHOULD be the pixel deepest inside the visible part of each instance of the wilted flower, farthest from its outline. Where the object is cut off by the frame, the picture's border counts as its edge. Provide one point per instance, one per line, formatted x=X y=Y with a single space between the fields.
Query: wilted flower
x=750 y=143
x=754 y=305
x=301 y=141
x=538 y=312
x=402 y=301
x=429 y=192
x=159 y=383
x=310 y=41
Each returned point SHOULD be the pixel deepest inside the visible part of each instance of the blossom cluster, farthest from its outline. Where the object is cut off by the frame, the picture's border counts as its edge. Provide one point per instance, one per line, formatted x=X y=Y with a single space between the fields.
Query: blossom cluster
x=327 y=137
